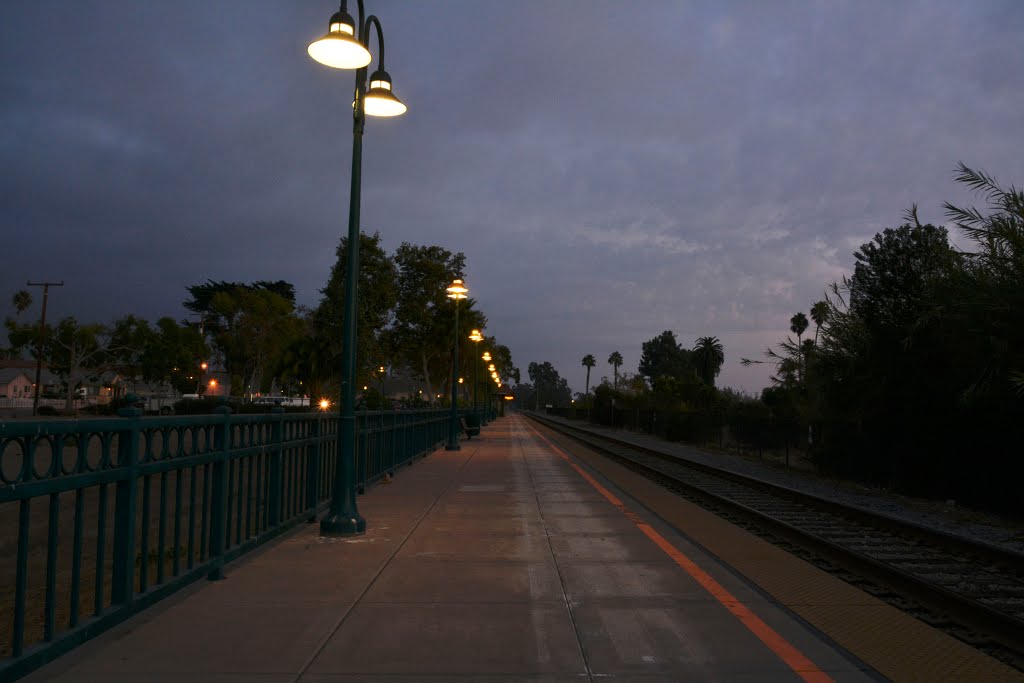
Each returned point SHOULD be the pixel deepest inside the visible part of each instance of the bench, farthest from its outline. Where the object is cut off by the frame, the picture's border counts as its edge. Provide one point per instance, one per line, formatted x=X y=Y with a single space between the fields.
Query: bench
x=469 y=431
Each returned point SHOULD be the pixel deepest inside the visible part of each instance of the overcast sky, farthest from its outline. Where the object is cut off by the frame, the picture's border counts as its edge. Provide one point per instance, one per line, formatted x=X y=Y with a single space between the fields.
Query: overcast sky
x=610 y=169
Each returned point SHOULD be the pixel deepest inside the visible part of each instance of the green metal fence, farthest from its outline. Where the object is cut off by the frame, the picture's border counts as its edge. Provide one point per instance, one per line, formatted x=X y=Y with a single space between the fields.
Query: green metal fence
x=100 y=518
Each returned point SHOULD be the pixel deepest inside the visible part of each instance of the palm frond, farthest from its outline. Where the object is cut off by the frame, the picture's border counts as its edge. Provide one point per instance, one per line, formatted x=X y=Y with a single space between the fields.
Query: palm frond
x=964 y=217
x=979 y=181
x=910 y=215
x=1017 y=380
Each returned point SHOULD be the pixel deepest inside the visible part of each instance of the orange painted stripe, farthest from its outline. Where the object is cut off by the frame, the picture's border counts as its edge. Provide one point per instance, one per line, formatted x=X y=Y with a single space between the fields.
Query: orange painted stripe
x=793 y=658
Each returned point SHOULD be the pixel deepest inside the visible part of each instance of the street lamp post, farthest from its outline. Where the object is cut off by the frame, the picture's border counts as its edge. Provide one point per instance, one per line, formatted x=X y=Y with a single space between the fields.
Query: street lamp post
x=476 y=338
x=490 y=391
x=456 y=290
x=202 y=373
x=487 y=359
x=343 y=48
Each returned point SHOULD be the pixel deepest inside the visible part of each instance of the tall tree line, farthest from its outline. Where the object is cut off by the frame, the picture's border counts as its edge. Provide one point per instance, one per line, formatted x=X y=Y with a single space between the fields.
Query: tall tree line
x=914 y=378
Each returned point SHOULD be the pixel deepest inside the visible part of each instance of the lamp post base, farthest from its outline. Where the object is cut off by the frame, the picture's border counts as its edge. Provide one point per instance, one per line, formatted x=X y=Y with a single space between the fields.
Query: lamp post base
x=342 y=526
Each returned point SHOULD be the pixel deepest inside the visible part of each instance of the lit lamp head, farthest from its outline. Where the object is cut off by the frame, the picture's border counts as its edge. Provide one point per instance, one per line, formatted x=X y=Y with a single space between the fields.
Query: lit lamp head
x=476 y=336
x=492 y=368
x=338 y=48
x=379 y=100
x=456 y=290
x=486 y=357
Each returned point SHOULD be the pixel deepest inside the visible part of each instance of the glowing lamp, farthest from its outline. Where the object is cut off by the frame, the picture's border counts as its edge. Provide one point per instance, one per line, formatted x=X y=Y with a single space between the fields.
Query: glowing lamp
x=338 y=48
x=379 y=100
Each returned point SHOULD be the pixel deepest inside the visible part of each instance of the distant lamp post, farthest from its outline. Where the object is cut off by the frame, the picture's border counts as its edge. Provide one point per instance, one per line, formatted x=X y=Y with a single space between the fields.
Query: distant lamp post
x=345 y=46
x=456 y=291
x=202 y=371
x=382 y=375
x=487 y=401
x=476 y=338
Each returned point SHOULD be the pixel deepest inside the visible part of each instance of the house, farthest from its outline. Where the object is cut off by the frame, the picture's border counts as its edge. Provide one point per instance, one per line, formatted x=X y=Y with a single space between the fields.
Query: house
x=17 y=382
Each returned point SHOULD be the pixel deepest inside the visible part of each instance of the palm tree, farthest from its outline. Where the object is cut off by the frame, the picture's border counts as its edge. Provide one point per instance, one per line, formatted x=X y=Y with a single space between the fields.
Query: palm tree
x=798 y=325
x=21 y=300
x=708 y=355
x=615 y=360
x=588 y=362
x=819 y=314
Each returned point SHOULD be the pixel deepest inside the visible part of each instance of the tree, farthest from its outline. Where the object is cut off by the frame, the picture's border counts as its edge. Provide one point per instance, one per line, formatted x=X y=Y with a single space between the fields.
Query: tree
x=174 y=355
x=992 y=298
x=130 y=338
x=662 y=356
x=202 y=295
x=419 y=332
x=250 y=325
x=75 y=353
x=615 y=360
x=886 y=376
x=708 y=356
x=798 y=325
x=588 y=362
x=377 y=296
x=21 y=301
x=819 y=314
x=308 y=366
x=549 y=385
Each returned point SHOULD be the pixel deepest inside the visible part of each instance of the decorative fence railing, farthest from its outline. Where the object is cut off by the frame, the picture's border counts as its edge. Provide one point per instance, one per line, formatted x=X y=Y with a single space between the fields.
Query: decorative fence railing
x=100 y=518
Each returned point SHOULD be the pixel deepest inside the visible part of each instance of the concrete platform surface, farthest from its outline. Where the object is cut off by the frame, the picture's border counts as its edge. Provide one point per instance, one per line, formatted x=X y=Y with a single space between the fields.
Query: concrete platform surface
x=505 y=561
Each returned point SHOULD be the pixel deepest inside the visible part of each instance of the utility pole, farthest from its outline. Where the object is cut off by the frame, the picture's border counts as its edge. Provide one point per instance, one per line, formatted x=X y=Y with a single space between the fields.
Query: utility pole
x=42 y=334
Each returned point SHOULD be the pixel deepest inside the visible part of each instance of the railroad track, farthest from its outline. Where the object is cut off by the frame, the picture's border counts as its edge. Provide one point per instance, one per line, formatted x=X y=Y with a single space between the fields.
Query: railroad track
x=972 y=589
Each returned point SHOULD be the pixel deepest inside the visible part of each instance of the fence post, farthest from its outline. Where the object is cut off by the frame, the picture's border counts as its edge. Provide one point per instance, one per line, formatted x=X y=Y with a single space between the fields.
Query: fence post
x=313 y=468
x=276 y=454
x=122 y=588
x=219 y=496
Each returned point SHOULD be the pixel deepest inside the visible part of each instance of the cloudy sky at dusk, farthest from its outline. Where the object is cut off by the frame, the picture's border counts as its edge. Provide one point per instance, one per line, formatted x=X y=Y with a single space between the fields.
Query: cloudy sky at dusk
x=610 y=169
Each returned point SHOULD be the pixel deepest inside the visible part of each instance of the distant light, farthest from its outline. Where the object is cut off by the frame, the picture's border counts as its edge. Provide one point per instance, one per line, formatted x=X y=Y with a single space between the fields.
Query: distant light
x=486 y=357
x=460 y=380
x=213 y=382
x=457 y=290
x=324 y=404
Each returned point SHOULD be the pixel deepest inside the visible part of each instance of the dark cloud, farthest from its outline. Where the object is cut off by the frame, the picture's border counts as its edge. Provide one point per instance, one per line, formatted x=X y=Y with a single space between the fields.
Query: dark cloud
x=610 y=169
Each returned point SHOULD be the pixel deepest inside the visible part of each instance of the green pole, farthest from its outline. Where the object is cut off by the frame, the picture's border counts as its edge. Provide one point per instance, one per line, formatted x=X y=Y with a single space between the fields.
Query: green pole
x=453 y=428
x=343 y=518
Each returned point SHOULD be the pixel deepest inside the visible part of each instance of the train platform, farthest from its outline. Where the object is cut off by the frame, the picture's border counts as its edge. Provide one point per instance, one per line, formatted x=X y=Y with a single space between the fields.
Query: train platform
x=508 y=560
